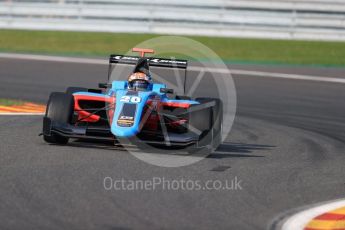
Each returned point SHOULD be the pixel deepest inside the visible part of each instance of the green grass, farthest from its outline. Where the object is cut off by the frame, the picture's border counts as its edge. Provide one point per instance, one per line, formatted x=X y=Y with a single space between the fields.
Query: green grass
x=229 y=49
x=10 y=102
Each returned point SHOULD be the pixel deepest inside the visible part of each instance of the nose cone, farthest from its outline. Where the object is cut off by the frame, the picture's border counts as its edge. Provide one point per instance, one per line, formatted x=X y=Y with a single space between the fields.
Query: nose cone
x=124 y=133
x=128 y=113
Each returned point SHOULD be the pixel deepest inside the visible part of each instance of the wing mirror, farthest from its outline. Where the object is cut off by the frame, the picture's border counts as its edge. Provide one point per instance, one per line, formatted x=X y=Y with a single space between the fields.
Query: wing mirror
x=166 y=90
x=104 y=85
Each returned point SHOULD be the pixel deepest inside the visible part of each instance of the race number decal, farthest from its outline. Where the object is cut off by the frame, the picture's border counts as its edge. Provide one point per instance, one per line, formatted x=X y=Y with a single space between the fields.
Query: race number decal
x=130 y=99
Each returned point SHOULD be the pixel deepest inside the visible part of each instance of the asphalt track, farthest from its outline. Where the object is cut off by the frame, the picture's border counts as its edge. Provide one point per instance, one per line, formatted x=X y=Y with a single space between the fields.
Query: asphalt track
x=286 y=146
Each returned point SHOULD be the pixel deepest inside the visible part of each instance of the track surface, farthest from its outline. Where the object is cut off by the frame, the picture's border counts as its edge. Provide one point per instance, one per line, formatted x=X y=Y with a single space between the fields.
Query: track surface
x=286 y=146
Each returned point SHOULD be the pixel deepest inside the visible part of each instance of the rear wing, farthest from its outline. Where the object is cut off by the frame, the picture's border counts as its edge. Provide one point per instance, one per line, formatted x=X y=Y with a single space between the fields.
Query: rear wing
x=153 y=62
x=156 y=62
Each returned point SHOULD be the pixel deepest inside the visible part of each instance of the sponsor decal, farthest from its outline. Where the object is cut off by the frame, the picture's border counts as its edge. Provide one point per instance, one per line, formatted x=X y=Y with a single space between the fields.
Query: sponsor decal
x=157 y=60
x=118 y=58
x=125 y=121
x=126 y=118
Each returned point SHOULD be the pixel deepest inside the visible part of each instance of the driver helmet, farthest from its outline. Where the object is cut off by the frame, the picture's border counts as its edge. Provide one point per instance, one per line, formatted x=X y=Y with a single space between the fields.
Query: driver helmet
x=139 y=81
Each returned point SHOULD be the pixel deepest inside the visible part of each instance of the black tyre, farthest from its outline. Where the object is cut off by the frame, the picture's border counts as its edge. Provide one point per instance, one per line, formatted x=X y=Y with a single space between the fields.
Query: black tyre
x=71 y=90
x=180 y=97
x=211 y=119
x=60 y=110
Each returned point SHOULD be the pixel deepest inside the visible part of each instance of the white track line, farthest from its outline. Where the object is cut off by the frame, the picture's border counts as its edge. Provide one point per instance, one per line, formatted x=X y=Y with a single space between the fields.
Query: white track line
x=270 y=74
x=301 y=219
x=21 y=114
x=289 y=76
x=54 y=58
x=191 y=68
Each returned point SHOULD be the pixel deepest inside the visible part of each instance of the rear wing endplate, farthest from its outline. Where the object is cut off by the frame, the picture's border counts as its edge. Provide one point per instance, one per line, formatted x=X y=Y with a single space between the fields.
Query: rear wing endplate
x=157 y=62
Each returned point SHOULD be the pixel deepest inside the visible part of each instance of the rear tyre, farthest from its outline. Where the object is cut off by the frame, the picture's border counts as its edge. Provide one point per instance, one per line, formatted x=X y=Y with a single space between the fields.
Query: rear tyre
x=71 y=90
x=60 y=110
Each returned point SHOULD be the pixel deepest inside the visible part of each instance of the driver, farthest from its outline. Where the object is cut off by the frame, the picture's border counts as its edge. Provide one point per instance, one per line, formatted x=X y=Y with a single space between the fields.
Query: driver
x=139 y=81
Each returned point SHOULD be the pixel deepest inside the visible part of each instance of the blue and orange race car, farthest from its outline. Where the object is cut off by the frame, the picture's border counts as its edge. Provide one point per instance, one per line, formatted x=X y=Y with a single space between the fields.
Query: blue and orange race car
x=118 y=111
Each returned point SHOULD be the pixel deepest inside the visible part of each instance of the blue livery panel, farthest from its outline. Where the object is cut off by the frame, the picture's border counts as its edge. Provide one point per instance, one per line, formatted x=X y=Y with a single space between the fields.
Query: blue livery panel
x=128 y=112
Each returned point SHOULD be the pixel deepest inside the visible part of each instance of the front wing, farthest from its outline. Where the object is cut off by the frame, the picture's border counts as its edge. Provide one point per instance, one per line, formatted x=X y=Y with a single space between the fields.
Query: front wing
x=104 y=133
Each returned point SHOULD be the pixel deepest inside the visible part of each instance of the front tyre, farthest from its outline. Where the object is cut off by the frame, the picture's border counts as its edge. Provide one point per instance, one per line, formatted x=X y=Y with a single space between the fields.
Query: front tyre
x=60 y=109
x=72 y=90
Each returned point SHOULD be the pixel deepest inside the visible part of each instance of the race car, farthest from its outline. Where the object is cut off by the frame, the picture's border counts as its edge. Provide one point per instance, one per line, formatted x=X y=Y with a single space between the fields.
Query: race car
x=137 y=110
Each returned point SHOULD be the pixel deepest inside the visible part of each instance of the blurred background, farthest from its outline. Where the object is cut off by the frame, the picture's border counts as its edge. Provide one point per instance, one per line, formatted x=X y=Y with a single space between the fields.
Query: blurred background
x=284 y=19
x=268 y=31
